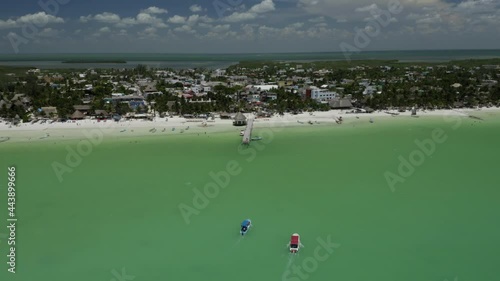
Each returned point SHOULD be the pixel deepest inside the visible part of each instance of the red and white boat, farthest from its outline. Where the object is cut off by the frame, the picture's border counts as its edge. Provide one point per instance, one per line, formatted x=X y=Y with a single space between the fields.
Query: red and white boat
x=295 y=243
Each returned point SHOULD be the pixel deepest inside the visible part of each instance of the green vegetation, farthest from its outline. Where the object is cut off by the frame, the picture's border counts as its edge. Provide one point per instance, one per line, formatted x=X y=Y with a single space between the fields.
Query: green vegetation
x=392 y=84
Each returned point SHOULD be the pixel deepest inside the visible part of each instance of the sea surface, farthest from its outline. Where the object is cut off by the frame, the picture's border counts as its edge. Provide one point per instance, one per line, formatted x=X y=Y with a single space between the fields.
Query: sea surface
x=213 y=61
x=117 y=210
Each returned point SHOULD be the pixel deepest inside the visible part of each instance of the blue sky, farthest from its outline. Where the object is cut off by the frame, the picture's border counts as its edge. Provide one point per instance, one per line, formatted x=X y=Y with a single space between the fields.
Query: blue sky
x=238 y=26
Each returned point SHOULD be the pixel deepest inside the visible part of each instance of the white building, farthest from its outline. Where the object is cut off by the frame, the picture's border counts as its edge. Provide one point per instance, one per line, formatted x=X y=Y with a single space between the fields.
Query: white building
x=265 y=87
x=369 y=90
x=322 y=94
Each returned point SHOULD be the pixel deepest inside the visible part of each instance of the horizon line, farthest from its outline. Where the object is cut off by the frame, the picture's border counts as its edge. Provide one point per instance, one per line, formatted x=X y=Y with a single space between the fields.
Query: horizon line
x=250 y=53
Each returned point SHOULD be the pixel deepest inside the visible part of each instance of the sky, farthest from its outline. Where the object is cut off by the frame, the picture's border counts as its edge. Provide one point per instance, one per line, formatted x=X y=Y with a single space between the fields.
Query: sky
x=246 y=26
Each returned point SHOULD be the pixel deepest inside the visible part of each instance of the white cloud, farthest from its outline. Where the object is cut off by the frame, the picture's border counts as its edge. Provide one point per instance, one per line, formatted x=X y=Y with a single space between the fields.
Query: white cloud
x=185 y=29
x=39 y=20
x=237 y=17
x=145 y=17
x=191 y=20
x=154 y=10
x=367 y=8
x=221 y=28
x=104 y=30
x=264 y=7
x=177 y=19
x=148 y=33
x=297 y=25
x=195 y=8
x=107 y=18
x=317 y=19
x=49 y=33
x=150 y=30
x=428 y=19
x=86 y=19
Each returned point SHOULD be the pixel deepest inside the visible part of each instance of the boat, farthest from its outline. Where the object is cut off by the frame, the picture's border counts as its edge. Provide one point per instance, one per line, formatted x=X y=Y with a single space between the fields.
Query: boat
x=152 y=130
x=294 y=243
x=245 y=226
x=256 y=138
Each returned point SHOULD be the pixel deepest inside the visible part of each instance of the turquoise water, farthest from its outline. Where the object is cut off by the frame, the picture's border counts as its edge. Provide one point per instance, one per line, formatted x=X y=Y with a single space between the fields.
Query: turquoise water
x=119 y=208
x=224 y=60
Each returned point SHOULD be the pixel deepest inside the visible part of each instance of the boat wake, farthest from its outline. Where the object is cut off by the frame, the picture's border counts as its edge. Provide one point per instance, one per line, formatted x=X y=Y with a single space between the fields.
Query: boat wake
x=235 y=244
x=288 y=265
x=290 y=262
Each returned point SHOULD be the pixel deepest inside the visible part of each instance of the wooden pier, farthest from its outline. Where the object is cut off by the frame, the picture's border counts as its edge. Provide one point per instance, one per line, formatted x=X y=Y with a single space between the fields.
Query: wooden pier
x=247 y=135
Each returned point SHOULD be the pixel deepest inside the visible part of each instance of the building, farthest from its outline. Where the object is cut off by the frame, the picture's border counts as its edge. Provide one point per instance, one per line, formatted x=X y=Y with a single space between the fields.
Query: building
x=265 y=87
x=85 y=109
x=240 y=119
x=77 y=115
x=320 y=95
x=49 y=111
x=338 y=103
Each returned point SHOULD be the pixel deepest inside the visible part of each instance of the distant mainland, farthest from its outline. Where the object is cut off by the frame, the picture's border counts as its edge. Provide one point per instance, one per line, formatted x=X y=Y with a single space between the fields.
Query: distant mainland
x=94 y=61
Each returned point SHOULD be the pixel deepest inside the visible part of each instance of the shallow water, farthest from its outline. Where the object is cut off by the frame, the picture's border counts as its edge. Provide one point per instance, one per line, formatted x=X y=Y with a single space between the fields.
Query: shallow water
x=119 y=208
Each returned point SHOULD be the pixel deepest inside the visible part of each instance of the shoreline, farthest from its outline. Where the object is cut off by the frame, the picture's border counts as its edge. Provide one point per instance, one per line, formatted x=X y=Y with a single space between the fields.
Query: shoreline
x=75 y=130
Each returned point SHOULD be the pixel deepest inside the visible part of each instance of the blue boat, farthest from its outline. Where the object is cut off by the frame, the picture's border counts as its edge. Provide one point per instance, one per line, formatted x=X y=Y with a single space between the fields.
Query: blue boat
x=245 y=226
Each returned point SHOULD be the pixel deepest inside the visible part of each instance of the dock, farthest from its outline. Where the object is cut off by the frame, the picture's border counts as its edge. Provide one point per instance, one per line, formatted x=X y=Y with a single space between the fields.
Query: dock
x=247 y=135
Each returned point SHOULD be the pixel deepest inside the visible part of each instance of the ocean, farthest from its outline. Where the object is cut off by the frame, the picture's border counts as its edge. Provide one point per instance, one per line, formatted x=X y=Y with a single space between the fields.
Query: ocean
x=213 y=61
x=117 y=212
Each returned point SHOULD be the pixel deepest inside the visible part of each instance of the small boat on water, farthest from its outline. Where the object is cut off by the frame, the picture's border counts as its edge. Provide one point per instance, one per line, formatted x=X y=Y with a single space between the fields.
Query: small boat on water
x=152 y=130
x=294 y=243
x=310 y=122
x=124 y=130
x=256 y=138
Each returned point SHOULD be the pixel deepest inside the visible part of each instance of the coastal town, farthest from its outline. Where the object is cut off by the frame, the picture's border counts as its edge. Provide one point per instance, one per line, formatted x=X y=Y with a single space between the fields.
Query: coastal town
x=262 y=88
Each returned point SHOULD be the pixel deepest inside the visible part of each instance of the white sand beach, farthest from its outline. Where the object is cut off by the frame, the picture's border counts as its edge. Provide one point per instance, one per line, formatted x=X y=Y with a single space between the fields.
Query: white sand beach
x=27 y=132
